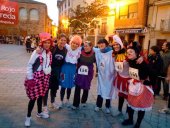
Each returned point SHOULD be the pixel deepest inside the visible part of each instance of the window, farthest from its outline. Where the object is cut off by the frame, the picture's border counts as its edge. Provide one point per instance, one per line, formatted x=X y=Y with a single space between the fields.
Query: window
x=123 y=14
x=34 y=14
x=103 y=28
x=23 y=14
x=133 y=9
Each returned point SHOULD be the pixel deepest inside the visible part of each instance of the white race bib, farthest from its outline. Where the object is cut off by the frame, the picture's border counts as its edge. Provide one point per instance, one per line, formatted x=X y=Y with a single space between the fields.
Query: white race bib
x=134 y=73
x=83 y=70
x=119 y=66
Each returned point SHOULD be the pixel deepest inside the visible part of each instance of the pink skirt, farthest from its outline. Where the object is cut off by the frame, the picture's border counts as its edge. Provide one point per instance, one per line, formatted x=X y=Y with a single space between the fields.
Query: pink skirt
x=41 y=85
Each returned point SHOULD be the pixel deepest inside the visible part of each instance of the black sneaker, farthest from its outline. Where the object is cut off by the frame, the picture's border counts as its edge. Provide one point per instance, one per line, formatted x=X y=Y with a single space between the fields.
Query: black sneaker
x=127 y=122
x=136 y=125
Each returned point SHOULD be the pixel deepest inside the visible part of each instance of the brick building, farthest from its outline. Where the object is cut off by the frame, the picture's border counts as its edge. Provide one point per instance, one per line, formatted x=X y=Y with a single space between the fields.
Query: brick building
x=33 y=19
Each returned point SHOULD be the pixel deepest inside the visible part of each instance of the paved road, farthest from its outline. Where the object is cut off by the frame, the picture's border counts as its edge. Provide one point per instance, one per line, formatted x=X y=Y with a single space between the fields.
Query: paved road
x=13 y=101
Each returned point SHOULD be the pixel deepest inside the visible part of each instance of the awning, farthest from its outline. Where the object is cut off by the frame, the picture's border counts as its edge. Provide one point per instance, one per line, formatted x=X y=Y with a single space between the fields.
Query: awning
x=129 y=30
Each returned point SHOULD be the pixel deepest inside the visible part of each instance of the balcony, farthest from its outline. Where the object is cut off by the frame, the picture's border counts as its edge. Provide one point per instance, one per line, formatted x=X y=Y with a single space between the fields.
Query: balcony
x=165 y=25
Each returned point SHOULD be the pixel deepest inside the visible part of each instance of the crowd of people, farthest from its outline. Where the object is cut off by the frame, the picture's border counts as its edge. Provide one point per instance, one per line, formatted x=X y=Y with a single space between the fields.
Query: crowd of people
x=123 y=74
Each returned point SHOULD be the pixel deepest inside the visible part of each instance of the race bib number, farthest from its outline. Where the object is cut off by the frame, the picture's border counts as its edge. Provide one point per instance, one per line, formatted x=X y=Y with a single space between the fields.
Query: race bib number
x=83 y=70
x=119 y=66
x=134 y=73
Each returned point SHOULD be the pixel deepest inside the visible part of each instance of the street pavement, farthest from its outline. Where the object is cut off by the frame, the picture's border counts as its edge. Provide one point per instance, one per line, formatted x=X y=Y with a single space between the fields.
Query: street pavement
x=13 y=101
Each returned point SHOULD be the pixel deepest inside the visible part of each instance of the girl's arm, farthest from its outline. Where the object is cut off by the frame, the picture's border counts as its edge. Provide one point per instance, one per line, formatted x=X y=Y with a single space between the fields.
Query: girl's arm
x=29 y=65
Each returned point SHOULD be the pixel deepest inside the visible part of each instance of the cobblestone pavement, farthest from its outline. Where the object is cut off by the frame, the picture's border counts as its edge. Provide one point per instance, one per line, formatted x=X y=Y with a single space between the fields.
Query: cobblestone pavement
x=13 y=101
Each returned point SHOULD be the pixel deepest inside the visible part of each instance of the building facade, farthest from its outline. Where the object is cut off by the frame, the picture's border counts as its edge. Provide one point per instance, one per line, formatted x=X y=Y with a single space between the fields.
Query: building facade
x=33 y=19
x=159 y=22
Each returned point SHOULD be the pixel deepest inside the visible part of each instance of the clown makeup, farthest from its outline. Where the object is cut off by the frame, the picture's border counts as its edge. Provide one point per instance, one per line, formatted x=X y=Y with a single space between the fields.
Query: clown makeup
x=61 y=42
x=47 y=44
x=87 y=46
x=116 y=47
x=131 y=54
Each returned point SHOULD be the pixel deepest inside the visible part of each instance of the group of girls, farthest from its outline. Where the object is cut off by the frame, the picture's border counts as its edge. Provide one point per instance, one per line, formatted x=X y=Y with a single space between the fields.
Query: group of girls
x=71 y=65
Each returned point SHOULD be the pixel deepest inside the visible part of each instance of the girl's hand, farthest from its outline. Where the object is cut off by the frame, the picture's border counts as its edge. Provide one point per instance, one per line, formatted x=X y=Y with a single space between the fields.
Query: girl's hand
x=139 y=60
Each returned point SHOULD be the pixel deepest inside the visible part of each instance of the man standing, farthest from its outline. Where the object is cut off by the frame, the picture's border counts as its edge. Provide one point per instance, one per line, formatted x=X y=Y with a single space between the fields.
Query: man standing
x=166 y=60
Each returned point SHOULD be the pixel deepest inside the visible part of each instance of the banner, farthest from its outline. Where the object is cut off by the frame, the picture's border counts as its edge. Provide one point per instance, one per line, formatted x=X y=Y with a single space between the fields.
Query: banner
x=8 y=12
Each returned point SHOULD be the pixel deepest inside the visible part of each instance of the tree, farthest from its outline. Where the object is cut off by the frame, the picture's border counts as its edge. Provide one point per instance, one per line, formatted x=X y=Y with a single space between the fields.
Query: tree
x=84 y=18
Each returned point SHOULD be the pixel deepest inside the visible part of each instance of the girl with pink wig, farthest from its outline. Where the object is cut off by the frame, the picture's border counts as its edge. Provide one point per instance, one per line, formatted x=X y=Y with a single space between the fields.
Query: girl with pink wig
x=68 y=70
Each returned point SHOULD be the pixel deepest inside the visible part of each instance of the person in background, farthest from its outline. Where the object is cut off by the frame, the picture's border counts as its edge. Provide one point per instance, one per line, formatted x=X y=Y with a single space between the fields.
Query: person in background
x=155 y=64
x=165 y=55
x=167 y=110
x=38 y=75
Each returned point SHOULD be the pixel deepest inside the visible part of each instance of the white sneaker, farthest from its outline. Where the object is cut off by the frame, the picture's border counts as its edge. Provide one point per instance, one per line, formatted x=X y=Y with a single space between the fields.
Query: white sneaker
x=117 y=113
x=45 y=110
x=74 y=108
x=60 y=105
x=83 y=104
x=43 y=115
x=54 y=105
x=67 y=103
x=96 y=109
x=107 y=111
x=28 y=121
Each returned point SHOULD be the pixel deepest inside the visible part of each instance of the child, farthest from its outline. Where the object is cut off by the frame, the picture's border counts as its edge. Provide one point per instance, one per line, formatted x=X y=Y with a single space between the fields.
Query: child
x=68 y=70
x=38 y=73
x=105 y=65
x=140 y=94
x=58 y=56
x=84 y=74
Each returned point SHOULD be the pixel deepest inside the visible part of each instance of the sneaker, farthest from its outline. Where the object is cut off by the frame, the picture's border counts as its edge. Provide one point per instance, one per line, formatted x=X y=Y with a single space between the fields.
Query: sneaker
x=45 y=110
x=28 y=121
x=67 y=103
x=83 y=104
x=127 y=122
x=54 y=105
x=117 y=113
x=74 y=108
x=43 y=115
x=60 y=105
x=164 y=111
x=107 y=111
x=96 y=109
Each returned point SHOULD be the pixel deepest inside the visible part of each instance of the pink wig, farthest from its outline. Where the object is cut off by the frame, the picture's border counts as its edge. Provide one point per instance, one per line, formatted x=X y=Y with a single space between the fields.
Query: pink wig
x=76 y=39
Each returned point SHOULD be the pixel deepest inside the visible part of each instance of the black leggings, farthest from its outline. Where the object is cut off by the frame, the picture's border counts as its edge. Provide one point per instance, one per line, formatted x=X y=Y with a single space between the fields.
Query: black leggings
x=99 y=102
x=31 y=106
x=77 y=92
x=62 y=93
x=52 y=94
x=120 y=104
x=141 y=115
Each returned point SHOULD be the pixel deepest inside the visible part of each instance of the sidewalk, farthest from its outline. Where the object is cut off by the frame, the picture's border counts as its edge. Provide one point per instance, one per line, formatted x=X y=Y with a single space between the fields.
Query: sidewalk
x=13 y=101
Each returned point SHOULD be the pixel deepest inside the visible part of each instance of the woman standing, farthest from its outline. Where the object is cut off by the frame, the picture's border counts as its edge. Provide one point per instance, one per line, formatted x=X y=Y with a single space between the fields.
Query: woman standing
x=58 y=57
x=84 y=75
x=140 y=94
x=106 y=72
x=122 y=71
x=38 y=73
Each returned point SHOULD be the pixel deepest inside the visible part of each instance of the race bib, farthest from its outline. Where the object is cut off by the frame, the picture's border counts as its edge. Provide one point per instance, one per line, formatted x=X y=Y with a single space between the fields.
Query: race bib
x=83 y=70
x=134 y=73
x=119 y=66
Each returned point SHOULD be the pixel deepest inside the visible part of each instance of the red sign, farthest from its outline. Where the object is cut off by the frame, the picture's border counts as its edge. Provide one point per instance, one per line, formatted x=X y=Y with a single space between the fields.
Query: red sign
x=8 y=12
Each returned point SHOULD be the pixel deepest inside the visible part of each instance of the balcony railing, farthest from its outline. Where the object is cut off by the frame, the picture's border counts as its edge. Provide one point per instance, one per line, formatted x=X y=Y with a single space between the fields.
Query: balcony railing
x=165 y=25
